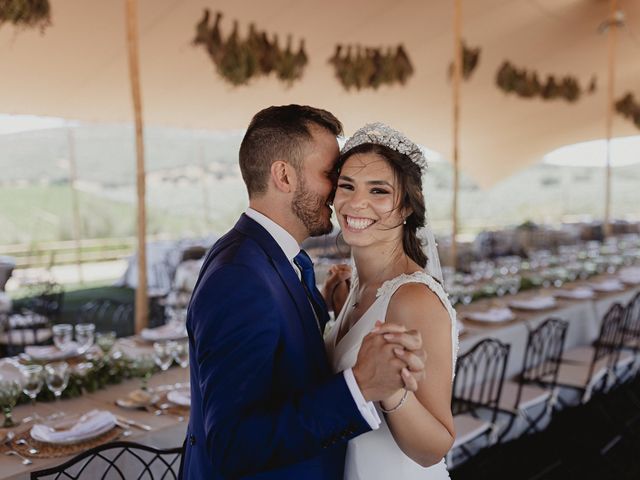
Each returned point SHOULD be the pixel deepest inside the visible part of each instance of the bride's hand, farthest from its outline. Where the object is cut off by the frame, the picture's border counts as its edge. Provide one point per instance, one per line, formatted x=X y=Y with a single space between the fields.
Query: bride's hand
x=336 y=287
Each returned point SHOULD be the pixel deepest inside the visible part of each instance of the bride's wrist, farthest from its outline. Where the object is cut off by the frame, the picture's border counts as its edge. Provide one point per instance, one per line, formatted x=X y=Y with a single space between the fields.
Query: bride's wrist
x=394 y=400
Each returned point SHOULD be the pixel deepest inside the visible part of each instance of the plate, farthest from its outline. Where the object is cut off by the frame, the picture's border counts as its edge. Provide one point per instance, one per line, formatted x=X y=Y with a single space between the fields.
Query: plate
x=180 y=397
x=88 y=426
x=51 y=353
x=137 y=399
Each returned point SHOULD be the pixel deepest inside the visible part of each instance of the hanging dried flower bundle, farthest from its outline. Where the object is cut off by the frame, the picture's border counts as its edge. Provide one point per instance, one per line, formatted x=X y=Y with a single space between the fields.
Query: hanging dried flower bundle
x=470 y=59
x=528 y=84
x=26 y=13
x=238 y=59
x=629 y=108
x=364 y=67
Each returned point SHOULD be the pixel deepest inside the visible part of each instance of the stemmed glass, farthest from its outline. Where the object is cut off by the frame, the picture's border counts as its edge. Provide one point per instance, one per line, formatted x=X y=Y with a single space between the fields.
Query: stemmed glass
x=163 y=354
x=9 y=392
x=143 y=367
x=33 y=381
x=106 y=340
x=181 y=353
x=62 y=335
x=57 y=377
x=85 y=334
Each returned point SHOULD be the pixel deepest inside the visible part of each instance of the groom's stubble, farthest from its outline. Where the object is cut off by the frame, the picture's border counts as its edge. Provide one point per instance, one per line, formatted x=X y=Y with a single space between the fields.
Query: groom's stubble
x=311 y=209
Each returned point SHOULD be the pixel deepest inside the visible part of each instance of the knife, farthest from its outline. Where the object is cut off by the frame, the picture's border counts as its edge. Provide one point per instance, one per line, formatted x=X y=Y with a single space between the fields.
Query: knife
x=133 y=423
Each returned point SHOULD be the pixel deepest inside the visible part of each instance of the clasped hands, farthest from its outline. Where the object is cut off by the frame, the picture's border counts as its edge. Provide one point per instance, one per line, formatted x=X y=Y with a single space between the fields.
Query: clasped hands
x=391 y=359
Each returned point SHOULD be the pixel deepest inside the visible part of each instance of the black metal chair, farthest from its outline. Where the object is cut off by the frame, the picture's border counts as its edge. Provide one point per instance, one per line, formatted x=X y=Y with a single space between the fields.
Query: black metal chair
x=534 y=388
x=117 y=460
x=477 y=388
x=108 y=314
x=601 y=366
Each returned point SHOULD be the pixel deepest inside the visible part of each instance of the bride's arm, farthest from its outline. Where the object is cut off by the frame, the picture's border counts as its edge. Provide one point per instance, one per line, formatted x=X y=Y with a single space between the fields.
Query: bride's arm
x=423 y=425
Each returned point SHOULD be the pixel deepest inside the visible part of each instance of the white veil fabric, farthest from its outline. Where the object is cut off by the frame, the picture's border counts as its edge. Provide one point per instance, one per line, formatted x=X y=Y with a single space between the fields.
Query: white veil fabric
x=430 y=248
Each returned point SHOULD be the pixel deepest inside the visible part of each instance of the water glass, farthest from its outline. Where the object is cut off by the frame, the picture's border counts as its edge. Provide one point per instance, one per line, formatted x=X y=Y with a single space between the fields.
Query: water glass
x=106 y=340
x=181 y=353
x=142 y=367
x=85 y=334
x=9 y=392
x=57 y=377
x=163 y=354
x=33 y=381
x=62 y=335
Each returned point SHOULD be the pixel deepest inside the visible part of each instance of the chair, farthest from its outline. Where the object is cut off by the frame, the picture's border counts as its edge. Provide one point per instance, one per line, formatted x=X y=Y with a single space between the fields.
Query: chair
x=536 y=383
x=108 y=314
x=597 y=368
x=477 y=388
x=117 y=460
x=631 y=338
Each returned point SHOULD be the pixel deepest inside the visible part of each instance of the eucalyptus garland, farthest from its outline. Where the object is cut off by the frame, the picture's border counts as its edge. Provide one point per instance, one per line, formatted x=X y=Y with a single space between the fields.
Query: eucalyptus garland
x=527 y=84
x=238 y=60
x=366 y=67
x=470 y=60
x=629 y=108
x=26 y=13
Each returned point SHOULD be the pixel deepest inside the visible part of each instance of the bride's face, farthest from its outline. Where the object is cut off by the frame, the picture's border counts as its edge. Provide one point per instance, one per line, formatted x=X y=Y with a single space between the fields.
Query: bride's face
x=366 y=201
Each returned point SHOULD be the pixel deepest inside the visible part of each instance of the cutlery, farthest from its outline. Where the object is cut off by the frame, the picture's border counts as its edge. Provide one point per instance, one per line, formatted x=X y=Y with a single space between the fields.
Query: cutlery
x=31 y=449
x=25 y=460
x=133 y=423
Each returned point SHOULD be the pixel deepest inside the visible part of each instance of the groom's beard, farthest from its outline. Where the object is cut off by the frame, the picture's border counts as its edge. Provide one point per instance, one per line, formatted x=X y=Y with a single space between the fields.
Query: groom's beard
x=312 y=210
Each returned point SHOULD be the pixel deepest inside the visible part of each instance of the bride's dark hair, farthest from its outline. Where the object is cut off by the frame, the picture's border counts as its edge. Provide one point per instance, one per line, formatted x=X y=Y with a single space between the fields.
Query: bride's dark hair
x=409 y=178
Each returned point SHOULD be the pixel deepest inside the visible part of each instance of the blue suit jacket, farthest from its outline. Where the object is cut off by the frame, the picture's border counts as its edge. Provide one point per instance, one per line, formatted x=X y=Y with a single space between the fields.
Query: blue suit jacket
x=264 y=402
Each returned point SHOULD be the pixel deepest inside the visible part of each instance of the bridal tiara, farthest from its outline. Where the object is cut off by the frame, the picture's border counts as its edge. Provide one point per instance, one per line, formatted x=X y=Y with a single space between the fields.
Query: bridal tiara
x=381 y=134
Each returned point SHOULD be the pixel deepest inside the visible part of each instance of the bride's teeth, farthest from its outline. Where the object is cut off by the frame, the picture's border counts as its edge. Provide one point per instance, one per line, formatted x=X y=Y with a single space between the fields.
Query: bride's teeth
x=358 y=223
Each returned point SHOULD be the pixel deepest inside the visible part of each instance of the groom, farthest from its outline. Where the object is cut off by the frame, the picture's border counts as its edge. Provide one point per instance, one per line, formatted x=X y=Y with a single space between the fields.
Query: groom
x=264 y=401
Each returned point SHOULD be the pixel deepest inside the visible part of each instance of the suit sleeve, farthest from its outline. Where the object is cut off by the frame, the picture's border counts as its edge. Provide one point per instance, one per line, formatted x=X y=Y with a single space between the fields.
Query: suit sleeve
x=236 y=330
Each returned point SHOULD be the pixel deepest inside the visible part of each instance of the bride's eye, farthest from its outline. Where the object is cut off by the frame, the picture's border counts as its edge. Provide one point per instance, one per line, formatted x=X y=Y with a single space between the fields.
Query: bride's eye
x=379 y=191
x=345 y=186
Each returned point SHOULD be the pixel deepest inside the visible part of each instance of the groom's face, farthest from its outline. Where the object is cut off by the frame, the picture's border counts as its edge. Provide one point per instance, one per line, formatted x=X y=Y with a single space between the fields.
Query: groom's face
x=314 y=186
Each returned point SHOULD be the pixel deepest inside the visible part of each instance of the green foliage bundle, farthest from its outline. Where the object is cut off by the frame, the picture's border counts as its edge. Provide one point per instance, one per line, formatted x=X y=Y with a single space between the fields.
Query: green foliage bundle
x=238 y=59
x=527 y=84
x=26 y=13
x=370 y=67
x=629 y=108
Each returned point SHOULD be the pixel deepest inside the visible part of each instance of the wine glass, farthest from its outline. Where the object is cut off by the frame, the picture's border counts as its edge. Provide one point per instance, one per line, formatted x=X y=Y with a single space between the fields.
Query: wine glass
x=62 y=335
x=85 y=335
x=106 y=340
x=9 y=392
x=181 y=354
x=57 y=377
x=33 y=381
x=142 y=366
x=163 y=354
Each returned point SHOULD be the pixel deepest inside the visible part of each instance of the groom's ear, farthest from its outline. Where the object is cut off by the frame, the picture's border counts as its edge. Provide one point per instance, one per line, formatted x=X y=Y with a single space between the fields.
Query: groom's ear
x=283 y=176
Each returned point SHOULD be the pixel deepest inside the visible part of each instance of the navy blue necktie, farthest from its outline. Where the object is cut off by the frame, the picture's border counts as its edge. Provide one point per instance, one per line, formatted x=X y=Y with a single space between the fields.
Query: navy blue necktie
x=305 y=265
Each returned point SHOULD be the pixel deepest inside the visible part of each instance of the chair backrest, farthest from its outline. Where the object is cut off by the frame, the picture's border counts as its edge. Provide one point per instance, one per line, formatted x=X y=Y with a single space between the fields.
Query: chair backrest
x=46 y=299
x=108 y=314
x=479 y=378
x=632 y=321
x=608 y=345
x=117 y=460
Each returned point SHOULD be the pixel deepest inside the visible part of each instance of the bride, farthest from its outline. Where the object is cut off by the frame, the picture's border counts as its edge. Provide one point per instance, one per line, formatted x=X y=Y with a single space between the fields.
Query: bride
x=380 y=207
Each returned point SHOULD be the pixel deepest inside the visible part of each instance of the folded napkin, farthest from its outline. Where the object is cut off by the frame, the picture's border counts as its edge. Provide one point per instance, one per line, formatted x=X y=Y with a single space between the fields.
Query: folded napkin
x=580 y=293
x=536 y=303
x=89 y=425
x=494 y=315
x=170 y=331
x=630 y=275
x=180 y=397
x=610 y=285
x=51 y=352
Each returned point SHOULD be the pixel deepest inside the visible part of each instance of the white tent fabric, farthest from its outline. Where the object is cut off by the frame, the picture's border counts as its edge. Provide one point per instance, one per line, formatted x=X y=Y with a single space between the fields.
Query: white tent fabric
x=77 y=69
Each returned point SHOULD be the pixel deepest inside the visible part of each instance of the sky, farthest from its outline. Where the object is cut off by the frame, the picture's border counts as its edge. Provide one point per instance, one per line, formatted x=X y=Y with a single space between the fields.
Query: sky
x=624 y=151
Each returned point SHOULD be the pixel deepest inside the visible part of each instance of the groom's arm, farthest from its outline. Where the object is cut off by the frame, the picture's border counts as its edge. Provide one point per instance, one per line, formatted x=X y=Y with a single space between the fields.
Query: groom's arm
x=237 y=334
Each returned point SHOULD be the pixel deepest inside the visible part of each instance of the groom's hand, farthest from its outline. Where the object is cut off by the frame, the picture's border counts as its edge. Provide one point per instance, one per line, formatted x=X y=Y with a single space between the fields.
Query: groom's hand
x=389 y=359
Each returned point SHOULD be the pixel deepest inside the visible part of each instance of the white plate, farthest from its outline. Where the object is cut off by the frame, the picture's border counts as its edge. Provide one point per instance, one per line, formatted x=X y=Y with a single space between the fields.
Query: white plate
x=163 y=333
x=51 y=352
x=535 y=303
x=41 y=432
x=180 y=397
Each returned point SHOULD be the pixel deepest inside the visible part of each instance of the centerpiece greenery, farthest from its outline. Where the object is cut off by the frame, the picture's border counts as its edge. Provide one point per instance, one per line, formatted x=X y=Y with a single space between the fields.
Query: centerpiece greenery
x=26 y=13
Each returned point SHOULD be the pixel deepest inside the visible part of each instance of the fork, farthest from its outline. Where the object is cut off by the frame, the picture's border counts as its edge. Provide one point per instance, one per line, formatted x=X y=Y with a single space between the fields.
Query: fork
x=25 y=460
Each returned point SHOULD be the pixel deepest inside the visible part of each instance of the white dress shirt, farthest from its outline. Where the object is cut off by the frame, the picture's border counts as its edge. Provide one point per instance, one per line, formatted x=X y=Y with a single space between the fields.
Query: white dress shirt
x=290 y=247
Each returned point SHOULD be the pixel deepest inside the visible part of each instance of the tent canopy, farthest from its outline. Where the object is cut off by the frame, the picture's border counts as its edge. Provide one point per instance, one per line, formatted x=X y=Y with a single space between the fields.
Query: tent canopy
x=77 y=69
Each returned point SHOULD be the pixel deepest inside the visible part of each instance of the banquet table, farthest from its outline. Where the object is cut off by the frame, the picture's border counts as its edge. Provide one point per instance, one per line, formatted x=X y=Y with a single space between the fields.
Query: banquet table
x=166 y=430
x=584 y=317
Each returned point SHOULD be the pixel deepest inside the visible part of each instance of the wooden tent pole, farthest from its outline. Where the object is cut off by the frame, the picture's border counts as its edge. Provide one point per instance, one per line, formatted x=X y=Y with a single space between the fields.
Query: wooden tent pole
x=75 y=204
x=142 y=301
x=612 y=36
x=457 y=73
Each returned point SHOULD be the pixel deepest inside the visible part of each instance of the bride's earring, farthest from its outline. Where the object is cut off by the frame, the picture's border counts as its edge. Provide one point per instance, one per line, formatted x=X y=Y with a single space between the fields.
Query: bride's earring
x=404 y=222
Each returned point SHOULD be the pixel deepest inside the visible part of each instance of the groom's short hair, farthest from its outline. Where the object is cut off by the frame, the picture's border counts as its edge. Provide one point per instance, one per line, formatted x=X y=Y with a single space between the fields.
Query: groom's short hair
x=279 y=133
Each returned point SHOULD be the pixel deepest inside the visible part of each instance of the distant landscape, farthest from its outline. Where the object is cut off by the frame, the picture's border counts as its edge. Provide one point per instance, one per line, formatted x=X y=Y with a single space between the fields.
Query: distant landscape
x=194 y=187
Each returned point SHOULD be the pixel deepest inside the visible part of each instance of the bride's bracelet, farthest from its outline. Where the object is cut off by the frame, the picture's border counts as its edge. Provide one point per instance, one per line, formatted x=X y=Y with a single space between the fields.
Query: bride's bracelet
x=397 y=407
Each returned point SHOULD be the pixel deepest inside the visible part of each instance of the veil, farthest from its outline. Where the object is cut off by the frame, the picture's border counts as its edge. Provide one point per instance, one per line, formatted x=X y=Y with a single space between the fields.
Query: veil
x=430 y=248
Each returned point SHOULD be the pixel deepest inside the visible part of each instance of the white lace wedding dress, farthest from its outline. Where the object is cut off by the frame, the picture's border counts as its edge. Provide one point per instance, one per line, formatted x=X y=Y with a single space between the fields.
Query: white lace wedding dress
x=375 y=455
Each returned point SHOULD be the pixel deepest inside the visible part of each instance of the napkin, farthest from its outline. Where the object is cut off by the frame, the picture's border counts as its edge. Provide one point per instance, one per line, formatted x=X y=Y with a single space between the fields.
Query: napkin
x=580 y=293
x=536 y=303
x=494 y=315
x=180 y=397
x=51 y=352
x=89 y=425
x=610 y=285
x=630 y=275
x=170 y=331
